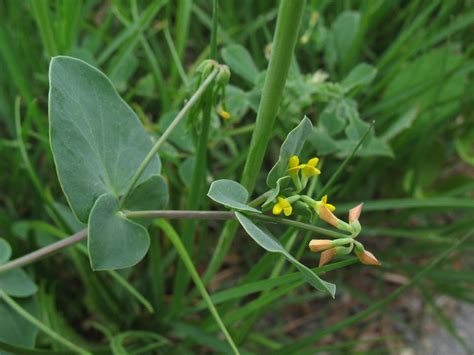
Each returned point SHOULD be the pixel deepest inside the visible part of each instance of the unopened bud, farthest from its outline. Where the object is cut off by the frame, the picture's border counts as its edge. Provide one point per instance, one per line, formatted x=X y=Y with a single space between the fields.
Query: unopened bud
x=367 y=258
x=326 y=256
x=354 y=213
x=224 y=114
x=223 y=76
x=317 y=245
x=206 y=67
x=328 y=216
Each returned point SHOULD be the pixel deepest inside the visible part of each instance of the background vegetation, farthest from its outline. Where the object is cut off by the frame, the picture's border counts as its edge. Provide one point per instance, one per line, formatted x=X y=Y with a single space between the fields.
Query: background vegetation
x=415 y=173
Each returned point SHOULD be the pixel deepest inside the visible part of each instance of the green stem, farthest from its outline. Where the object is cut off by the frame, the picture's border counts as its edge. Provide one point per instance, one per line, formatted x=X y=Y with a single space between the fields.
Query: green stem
x=290 y=14
x=170 y=214
x=167 y=132
x=213 y=215
x=198 y=181
x=11 y=302
x=174 y=238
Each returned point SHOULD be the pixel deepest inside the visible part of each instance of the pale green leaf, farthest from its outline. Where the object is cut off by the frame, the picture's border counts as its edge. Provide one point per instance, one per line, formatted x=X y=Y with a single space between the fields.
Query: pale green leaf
x=114 y=241
x=240 y=62
x=97 y=140
x=5 y=251
x=230 y=194
x=280 y=185
x=17 y=283
x=362 y=74
x=271 y=244
x=403 y=122
x=292 y=145
x=14 y=329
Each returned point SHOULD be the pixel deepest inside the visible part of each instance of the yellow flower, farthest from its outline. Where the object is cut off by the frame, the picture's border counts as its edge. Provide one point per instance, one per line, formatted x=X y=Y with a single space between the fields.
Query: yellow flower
x=223 y=113
x=294 y=165
x=282 y=206
x=324 y=202
x=308 y=169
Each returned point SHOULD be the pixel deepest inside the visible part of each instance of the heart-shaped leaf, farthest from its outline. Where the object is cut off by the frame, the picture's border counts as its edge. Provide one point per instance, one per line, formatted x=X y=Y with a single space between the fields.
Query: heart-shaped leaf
x=271 y=244
x=230 y=194
x=114 y=241
x=291 y=146
x=97 y=140
x=152 y=194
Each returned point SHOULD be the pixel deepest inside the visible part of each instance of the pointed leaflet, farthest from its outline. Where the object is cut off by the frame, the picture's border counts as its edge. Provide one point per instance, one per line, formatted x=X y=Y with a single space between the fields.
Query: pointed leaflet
x=291 y=146
x=269 y=243
x=230 y=194
x=97 y=140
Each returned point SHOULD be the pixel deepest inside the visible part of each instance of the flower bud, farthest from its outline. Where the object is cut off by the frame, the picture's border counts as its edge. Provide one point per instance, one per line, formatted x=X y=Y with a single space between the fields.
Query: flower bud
x=223 y=76
x=328 y=216
x=354 y=213
x=206 y=67
x=326 y=256
x=367 y=258
x=316 y=245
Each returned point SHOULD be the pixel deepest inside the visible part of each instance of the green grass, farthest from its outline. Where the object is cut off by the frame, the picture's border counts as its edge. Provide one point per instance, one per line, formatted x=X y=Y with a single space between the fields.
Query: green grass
x=418 y=203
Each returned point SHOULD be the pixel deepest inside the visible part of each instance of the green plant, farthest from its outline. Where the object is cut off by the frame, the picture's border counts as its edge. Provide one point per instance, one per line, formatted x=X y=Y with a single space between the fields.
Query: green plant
x=408 y=66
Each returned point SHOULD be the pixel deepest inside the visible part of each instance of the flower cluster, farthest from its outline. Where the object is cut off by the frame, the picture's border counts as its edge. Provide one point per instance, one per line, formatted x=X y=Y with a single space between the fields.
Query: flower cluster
x=300 y=175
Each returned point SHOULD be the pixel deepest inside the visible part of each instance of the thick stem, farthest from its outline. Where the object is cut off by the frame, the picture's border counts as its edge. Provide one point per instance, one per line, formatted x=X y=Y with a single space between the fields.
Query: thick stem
x=167 y=132
x=290 y=14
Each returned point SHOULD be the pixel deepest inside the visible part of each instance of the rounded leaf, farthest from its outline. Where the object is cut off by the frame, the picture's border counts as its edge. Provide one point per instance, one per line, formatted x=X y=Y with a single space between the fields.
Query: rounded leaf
x=114 y=241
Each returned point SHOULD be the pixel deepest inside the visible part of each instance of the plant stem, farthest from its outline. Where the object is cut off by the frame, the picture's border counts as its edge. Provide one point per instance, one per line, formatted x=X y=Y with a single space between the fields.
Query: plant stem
x=17 y=308
x=198 y=181
x=167 y=132
x=290 y=14
x=170 y=214
x=222 y=215
x=43 y=252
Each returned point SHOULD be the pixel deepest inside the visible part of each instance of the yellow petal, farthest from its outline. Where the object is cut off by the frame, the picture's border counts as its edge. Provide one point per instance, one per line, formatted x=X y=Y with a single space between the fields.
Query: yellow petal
x=309 y=170
x=294 y=161
x=287 y=210
x=324 y=199
x=277 y=209
x=313 y=162
x=330 y=207
x=283 y=202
